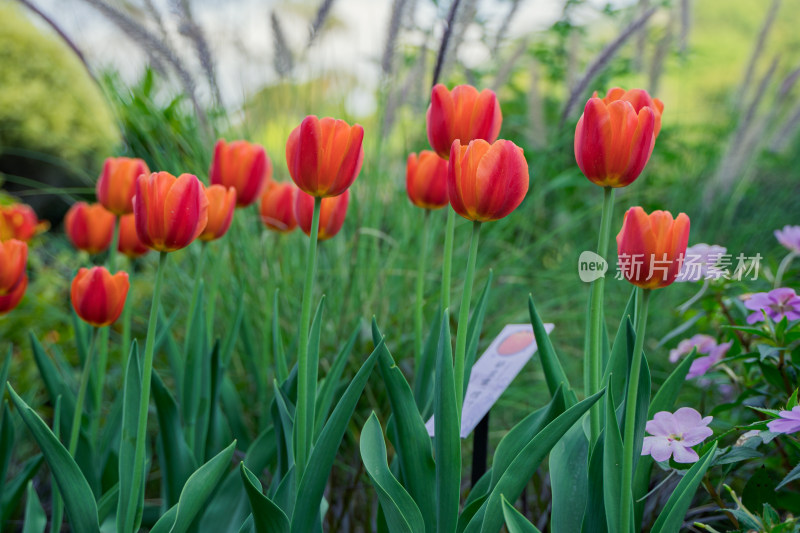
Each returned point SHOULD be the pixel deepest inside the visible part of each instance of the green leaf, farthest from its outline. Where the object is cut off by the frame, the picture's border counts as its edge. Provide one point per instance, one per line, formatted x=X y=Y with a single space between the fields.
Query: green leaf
x=107 y=503
x=569 y=480
x=6 y=445
x=616 y=373
x=127 y=509
x=554 y=373
x=447 y=439
x=402 y=514
x=312 y=485
x=13 y=489
x=232 y=408
x=612 y=465
x=228 y=507
x=53 y=381
x=671 y=517
x=594 y=512
x=78 y=498
x=283 y=419
x=331 y=381
x=5 y=368
x=278 y=350
x=515 y=522
x=267 y=517
x=233 y=333
x=313 y=366
x=792 y=402
x=425 y=374
x=195 y=355
x=35 y=517
x=474 y=327
x=791 y=476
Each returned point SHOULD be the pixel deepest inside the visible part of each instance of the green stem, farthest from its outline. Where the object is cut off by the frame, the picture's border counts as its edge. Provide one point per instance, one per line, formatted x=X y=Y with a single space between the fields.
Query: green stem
x=137 y=486
x=79 y=401
x=595 y=355
x=211 y=303
x=628 y=453
x=111 y=259
x=198 y=276
x=306 y=390
x=463 y=315
x=782 y=268
x=447 y=260
x=126 y=328
x=423 y=259
x=58 y=503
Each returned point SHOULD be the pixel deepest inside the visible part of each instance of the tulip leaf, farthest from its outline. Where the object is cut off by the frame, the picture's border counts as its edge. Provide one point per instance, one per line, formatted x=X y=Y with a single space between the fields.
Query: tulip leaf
x=312 y=484
x=616 y=372
x=174 y=352
x=425 y=374
x=612 y=465
x=228 y=506
x=226 y=353
x=213 y=423
x=130 y=505
x=53 y=381
x=447 y=440
x=481 y=488
x=594 y=515
x=331 y=381
x=35 y=517
x=267 y=517
x=232 y=407
x=554 y=373
x=5 y=368
x=107 y=503
x=278 y=349
x=283 y=421
x=469 y=511
x=313 y=365
x=13 y=489
x=474 y=328
x=195 y=353
x=515 y=522
x=569 y=480
x=6 y=443
x=78 y=498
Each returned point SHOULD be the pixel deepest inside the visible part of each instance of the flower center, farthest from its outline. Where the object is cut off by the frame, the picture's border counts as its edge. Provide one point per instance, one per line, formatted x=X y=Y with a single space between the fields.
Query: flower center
x=675 y=437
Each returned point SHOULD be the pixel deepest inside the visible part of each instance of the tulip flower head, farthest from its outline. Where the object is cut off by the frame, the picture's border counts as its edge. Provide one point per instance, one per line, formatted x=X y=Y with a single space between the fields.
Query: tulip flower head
x=170 y=212
x=332 y=213
x=90 y=227
x=777 y=304
x=426 y=180
x=242 y=165
x=13 y=258
x=277 y=207
x=674 y=435
x=12 y=299
x=462 y=114
x=651 y=247
x=614 y=140
x=638 y=98
x=221 y=204
x=97 y=296
x=129 y=243
x=324 y=156
x=117 y=183
x=486 y=181
x=19 y=221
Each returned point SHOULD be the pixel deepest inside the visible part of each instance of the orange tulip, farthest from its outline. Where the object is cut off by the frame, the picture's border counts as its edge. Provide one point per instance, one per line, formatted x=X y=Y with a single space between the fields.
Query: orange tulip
x=129 y=243
x=651 y=247
x=97 y=296
x=19 y=221
x=242 y=165
x=613 y=141
x=13 y=258
x=221 y=204
x=12 y=299
x=426 y=180
x=486 y=181
x=117 y=183
x=324 y=156
x=331 y=217
x=90 y=227
x=277 y=207
x=170 y=212
x=464 y=114
x=638 y=98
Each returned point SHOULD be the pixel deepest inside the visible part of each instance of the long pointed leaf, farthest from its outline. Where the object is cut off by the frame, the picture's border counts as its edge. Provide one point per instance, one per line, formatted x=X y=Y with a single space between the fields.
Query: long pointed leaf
x=35 y=518
x=267 y=517
x=447 y=439
x=474 y=327
x=515 y=522
x=132 y=390
x=554 y=373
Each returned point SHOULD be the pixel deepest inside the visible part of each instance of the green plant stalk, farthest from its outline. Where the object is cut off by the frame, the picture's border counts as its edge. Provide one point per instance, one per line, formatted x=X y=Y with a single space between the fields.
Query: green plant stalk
x=127 y=319
x=81 y=398
x=198 y=276
x=463 y=316
x=447 y=259
x=595 y=356
x=211 y=302
x=423 y=259
x=137 y=486
x=628 y=453
x=304 y=416
x=58 y=502
x=782 y=268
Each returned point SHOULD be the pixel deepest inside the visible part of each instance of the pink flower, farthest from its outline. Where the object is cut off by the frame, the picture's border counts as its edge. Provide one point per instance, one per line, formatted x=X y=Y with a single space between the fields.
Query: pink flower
x=789 y=422
x=777 y=303
x=674 y=434
x=700 y=262
x=789 y=237
x=705 y=344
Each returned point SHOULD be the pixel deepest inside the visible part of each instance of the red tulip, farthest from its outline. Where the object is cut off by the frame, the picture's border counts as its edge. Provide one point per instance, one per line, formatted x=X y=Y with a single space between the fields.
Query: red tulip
x=12 y=299
x=129 y=243
x=486 y=181
x=221 y=204
x=19 y=221
x=13 y=258
x=426 y=180
x=170 y=212
x=324 y=156
x=332 y=213
x=117 y=183
x=97 y=296
x=651 y=247
x=464 y=114
x=638 y=98
x=242 y=165
x=90 y=227
x=277 y=207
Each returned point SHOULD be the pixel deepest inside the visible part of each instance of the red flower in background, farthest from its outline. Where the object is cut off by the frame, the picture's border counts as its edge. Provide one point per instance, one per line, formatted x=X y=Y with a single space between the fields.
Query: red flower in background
x=242 y=165
x=462 y=114
x=221 y=204
x=426 y=180
x=129 y=243
x=277 y=207
x=117 y=183
x=97 y=296
x=332 y=213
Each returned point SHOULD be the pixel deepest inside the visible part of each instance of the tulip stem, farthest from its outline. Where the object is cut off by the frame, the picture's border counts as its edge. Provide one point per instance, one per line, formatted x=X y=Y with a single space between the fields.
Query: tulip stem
x=306 y=389
x=595 y=356
x=447 y=260
x=628 y=452
x=423 y=259
x=79 y=401
x=112 y=249
x=463 y=316
x=137 y=485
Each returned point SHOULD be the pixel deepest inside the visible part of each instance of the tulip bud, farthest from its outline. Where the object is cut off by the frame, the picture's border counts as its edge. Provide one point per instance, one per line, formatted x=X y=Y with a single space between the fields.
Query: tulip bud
x=19 y=221
x=90 y=227
x=221 y=204
x=97 y=296
x=332 y=213
x=324 y=156
x=486 y=181
x=12 y=299
x=170 y=212
x=277 y=207
x=242 y=165
x=13 y=258
x=426 y=180
x=117 y=183
x=464 y=114
x=638 y=98
x=652 y=247
x=129 y=243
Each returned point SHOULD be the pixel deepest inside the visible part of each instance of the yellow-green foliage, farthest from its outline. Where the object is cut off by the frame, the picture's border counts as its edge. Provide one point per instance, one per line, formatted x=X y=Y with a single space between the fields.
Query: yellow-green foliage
x=48 y=102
